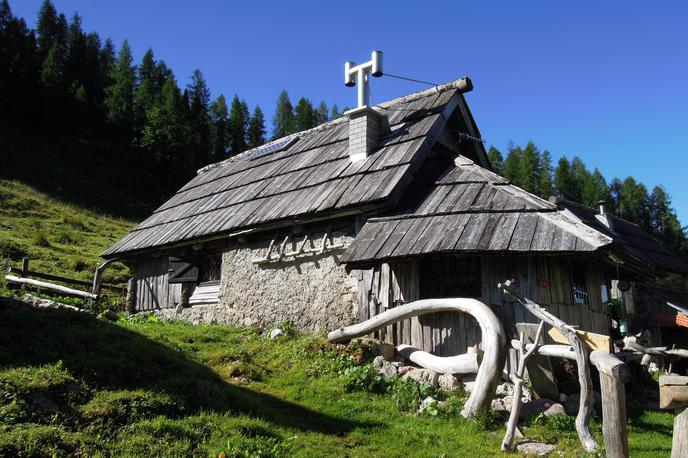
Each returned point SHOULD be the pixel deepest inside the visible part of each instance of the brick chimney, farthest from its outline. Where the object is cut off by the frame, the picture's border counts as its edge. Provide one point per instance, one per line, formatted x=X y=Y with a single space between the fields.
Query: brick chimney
x=366 y=126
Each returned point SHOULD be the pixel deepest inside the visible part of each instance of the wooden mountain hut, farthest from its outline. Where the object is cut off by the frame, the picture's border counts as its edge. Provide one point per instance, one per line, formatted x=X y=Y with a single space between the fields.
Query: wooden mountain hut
x=383 y=206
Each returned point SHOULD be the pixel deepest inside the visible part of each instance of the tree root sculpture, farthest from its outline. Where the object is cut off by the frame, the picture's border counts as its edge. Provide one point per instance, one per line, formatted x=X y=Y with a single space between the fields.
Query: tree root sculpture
x=582 y=361
x=493 y=340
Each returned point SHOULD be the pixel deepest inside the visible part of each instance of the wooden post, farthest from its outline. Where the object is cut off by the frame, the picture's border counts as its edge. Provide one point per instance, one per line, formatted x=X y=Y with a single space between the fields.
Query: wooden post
x=98 y=276
x=613 y=375
x=25 y=267
x=679 y=444
x=131 y=296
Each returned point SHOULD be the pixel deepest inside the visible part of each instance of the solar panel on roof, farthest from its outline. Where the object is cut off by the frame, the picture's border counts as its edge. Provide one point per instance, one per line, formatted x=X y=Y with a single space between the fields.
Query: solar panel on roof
x=273 y=147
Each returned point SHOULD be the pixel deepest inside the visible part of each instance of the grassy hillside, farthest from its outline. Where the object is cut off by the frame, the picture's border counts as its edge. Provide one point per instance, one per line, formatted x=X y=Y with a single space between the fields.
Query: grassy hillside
x=58 y=238
x=74 y=385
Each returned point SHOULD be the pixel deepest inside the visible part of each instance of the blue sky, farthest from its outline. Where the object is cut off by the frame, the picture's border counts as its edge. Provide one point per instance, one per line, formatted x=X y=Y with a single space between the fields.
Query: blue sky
x=604 y=80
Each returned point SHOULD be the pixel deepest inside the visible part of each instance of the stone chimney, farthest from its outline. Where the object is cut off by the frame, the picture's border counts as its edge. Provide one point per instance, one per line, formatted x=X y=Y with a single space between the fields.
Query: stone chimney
x=366 y=126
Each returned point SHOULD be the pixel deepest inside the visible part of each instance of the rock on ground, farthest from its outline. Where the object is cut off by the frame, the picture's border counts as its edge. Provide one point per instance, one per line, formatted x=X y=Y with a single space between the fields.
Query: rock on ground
x=535 y=448
x=535 y=407
x=448 y=382
x=423 y=376
x=275 y=333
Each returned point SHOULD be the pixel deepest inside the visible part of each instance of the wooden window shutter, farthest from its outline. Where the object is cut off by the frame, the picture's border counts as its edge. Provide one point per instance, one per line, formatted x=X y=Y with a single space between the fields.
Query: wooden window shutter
x=182 y=270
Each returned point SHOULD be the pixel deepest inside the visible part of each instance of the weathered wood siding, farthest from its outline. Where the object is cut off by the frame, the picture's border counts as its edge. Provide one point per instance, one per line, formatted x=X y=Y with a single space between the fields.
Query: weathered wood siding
x=545 y=279
x=152 y=290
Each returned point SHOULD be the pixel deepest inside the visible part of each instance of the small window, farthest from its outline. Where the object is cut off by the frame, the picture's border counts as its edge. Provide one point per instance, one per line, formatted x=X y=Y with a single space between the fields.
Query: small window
x=450 y=277
x=210 y=268
x=579 y=286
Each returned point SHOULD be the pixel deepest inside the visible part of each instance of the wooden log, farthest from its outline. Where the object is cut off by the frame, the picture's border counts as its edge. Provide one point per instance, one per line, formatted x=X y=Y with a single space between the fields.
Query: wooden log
x=517 y=378
x=460 y=364
x=582 y=359
x=613 y=374
x=49 y=286
x=673 y=391
x=592 y=340
x=679 y=444
x=493 y=340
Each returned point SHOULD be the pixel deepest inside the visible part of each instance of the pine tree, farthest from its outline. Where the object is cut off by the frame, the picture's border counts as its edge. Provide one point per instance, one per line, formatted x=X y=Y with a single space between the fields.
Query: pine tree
x=237 y=127
x=119 y=96
x=564 y=180
x=664 y=222
x=595 y=189
x=496 y=160
x=321 y=114
x=304 y=117
x=512 y=163
x=199 y=103
x=219 y=135
x=634 y=203
x=164 y=135
x=529 y=168
x=146 y=91
x=335 y=112
x=546 y=186
x=51 y=73
x=52 y=31
x=283 y=120
x=256 y=129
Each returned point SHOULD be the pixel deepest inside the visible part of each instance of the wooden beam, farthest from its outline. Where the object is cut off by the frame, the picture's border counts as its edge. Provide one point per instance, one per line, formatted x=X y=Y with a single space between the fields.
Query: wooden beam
x=673 y=392
x=679 y=444
x=593 y=341
x=49 y=286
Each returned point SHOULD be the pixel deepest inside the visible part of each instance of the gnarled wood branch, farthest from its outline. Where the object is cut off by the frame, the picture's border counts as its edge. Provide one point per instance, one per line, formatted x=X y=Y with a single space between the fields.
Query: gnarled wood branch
x=493 y=340
x=517 y=378
x=582 y=359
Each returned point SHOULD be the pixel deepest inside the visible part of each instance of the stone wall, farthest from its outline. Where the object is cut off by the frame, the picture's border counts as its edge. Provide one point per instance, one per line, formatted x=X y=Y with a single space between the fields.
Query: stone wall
x=314 y=292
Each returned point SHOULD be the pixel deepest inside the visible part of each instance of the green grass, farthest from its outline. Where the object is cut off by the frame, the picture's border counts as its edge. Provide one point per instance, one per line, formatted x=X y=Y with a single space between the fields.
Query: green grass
x=141 y=387
x=57 y=237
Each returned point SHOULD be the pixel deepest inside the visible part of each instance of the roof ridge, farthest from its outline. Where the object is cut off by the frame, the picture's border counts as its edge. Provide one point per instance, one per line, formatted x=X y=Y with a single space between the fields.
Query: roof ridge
x=464 y=84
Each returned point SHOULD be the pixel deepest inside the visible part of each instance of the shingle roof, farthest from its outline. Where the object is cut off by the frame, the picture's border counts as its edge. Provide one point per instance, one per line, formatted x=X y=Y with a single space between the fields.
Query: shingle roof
x=312 y=176
x=630 y=238
x=471 y=209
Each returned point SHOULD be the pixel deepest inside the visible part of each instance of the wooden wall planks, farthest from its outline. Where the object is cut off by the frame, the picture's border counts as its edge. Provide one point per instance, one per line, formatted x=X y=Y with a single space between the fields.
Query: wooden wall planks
x=546 y=279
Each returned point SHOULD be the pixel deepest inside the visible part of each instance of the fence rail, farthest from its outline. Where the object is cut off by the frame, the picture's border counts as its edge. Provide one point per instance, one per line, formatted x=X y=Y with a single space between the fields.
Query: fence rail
x=24 y=276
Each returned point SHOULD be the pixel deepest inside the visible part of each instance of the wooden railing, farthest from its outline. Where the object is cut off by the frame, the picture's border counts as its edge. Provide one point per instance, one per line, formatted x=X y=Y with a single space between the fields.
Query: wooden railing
x=25 y=276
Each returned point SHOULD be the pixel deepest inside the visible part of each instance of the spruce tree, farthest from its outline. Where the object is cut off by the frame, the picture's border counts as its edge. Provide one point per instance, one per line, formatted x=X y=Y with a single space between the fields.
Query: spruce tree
x=564 y=180
x=119 y=96
x=256 y=129
x=321 y=114
x=334 y=114
x=512 y=163
x=199 y=103
x=51 y=72
x=595 y=189
x=496 y=160
x=146 y=91
x=237 y=127
x=529 y=168
x=283 y=120
x=546 y=186
x=634 y=203
x=304 y=117
x=52 y=31
x=219 y=134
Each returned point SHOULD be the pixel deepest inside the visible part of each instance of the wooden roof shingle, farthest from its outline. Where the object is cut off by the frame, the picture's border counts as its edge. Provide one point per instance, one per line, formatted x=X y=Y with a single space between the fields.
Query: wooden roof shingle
x=312 y=176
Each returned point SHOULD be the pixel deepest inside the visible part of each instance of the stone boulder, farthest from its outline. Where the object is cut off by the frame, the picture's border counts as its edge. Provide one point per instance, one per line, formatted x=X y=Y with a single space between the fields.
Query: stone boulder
x=535 y=448
x=423 y=376
x=535 y=407
x=448 y=382
x=384 y=367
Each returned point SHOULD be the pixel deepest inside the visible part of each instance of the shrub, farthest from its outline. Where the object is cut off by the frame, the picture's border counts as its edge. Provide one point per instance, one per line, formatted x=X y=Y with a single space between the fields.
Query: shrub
x=561 y=422
x=113 y=408
x=66 y=236
x=364 y=378
x=408 y=394
x=40 y=238
x=11 y=249
x=77 y=264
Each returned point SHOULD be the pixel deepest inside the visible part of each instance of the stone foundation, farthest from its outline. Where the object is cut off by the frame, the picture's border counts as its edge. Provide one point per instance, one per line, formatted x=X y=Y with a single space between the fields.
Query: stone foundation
x=314 y=292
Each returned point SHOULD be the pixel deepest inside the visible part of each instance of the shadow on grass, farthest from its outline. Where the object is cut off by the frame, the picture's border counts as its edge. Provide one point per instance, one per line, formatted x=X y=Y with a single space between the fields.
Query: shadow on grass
x=107 y=357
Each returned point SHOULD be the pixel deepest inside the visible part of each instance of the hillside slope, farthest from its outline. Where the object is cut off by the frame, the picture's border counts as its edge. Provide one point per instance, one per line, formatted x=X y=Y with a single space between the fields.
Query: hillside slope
x=58 y=238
